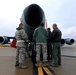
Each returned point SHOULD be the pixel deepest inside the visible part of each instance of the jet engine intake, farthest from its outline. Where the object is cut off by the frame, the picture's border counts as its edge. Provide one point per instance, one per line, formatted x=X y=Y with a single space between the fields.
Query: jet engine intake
x=62 y=41
x=69 y=41
x=4 y=40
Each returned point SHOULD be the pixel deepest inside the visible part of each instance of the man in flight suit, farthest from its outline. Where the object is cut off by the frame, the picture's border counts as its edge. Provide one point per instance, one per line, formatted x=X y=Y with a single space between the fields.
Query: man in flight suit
x=56 y=41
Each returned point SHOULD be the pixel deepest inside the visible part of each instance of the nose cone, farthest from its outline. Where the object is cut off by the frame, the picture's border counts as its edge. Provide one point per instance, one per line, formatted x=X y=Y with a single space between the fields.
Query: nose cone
x=33 y=15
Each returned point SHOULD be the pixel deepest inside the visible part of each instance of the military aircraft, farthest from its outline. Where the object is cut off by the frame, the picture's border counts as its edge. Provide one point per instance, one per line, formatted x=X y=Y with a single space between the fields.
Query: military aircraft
x=31 y=17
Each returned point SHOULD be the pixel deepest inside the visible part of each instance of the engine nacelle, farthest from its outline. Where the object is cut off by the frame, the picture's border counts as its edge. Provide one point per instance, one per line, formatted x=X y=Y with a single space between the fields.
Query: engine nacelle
x=62 y=41
x=4 y=40
x=69 y=41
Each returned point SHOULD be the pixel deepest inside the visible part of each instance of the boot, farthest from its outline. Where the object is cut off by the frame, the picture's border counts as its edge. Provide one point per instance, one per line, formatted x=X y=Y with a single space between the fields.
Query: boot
x=37 y=64
x=22 y=66
x=45 y=63
x=17 y=64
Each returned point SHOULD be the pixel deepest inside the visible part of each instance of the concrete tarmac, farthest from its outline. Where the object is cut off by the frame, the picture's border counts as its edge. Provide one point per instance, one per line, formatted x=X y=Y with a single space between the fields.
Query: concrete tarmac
x=8 y=54
x=68 y=66
x=7 y=63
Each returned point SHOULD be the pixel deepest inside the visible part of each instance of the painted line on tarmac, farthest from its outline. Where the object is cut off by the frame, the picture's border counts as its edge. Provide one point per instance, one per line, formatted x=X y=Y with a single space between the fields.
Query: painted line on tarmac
x=40 y=71
x=47 y=71
x=69 y=56
x=42 y=68
x=2 y=46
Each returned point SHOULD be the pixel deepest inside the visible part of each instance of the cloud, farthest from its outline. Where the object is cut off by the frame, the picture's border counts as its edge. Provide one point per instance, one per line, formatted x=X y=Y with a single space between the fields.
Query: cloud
x=61 y=12
x=64 y=15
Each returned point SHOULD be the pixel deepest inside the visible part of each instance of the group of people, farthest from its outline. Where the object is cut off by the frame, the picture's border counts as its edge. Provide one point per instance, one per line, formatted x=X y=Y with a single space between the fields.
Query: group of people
x=47 y=41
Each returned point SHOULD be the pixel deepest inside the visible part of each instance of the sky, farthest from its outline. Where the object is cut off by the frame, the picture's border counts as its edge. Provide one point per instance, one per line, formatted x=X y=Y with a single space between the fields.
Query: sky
x=61 y=12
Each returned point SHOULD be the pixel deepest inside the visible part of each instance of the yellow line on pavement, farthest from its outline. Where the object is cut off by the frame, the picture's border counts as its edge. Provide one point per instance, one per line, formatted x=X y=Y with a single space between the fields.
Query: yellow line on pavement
x=47 y=70
x=40 y=72
x=2 y=46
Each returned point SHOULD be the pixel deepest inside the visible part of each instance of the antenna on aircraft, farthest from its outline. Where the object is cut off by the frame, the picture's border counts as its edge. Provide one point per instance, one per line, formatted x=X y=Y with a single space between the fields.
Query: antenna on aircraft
x=46 y=24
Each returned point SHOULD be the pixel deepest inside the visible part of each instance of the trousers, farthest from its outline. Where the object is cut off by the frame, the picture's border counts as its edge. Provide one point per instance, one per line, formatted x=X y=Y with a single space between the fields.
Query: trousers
x=44 y=51
x=21 y=54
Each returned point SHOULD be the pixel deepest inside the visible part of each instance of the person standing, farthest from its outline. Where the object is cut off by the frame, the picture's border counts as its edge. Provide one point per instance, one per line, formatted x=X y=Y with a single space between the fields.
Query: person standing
x=49 y=45
x=21 y=38
x=40 y=36
x=56 y=40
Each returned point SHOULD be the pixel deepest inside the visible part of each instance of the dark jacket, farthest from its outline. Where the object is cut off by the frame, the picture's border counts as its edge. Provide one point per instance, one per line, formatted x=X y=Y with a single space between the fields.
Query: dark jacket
x=49 y=37
x=56 y=35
